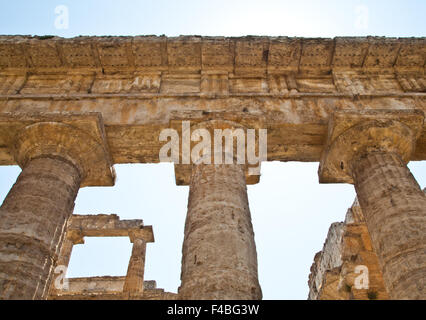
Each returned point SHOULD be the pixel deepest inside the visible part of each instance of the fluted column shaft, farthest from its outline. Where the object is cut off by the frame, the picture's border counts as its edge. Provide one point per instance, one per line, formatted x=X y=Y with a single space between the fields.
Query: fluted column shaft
x=58 y=154
x=219 y=259
x=65 y=253
x=135 y=271
x=394 y=207
x=32 y=221
x=370 y=148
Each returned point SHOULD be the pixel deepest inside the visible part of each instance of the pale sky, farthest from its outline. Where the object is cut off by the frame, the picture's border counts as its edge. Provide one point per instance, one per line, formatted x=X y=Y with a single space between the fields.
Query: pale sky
x=291 y=211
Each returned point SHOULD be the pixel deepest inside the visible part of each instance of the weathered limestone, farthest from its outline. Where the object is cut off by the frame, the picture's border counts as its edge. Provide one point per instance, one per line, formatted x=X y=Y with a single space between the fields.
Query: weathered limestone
x=211 y=121
x=140 y=85
x=56 y=159
x=32 y=220
x=372 y=153
x=292 y=85
x=347 y=256
x=395 y=212
x=219 y=255
x=109 y=288
x=219 y=259
x=132 y=286
x=135 y=271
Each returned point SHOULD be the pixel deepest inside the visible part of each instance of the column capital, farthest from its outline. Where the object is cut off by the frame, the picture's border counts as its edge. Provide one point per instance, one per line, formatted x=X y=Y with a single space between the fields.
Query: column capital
x=146 y=234
x=354 y=134
x=211 y=121
x=75 y=236
x=78 y=138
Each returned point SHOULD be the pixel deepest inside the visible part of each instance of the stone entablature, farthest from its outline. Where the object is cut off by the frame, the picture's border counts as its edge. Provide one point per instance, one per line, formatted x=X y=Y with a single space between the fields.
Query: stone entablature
x=206 y=66
x=106 y=225
x=68 y=83
x=291 y=85
x=251 y=54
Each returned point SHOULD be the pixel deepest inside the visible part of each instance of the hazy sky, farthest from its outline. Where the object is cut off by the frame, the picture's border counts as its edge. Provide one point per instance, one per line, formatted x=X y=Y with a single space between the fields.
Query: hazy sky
x=291 y=211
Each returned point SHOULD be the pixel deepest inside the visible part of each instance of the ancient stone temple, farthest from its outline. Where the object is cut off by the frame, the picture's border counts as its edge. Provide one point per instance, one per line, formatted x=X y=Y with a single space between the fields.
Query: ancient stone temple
x=72 y=108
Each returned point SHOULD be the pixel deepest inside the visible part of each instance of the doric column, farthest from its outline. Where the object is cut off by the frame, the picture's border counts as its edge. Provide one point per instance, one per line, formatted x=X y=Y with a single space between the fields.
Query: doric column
x=135 y=271
x=56 y=159
x=133 y=284
x=219 y=259
x=70 y=239
x=371 y=150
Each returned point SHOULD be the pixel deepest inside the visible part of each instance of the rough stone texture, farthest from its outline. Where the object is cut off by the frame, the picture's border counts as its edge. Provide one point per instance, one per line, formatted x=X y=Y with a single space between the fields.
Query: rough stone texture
x=132 y=286
x=394 y=207
x=139 y=85
x=155 y=294
x=292 y=85
x=77 y=138
x=32 y=220
x=327 y=264
x=104 y=225
x=195 y=53
x=352 y=134
x=372 y=154
x=348 y=245
x=57 y=158
x=219 y=258
x=109 y=288
x=135 y=272
x=210 y=122
x=104 y=284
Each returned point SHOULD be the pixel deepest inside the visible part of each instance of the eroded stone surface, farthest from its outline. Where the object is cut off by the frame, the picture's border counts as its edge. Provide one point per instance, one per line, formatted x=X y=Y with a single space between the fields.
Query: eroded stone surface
x=219 y=259
x=354 y=134
x=292 y=85
x=394 y=208
x=333 y=272
x=373 y=154
x=32 y=220
x=132 y=286
x=78 y=138
x=56 y=159
x=109 y=288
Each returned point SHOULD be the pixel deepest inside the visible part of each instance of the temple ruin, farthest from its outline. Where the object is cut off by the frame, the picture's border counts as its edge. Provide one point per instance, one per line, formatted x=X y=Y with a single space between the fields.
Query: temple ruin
x=72 y=108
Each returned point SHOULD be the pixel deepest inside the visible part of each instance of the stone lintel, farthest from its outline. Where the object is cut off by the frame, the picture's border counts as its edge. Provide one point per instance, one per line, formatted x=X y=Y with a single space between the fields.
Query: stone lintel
x=107 y=225
x=354 y=133
x=147 y=234
x=211 y=121
x=77 y=137
x=297 y=126
x=102 y=284
x=109 y=288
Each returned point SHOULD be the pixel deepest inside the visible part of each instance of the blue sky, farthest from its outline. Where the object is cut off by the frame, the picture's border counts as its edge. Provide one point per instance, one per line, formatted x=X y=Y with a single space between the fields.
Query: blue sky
x=220 y=17
x=291 y=211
